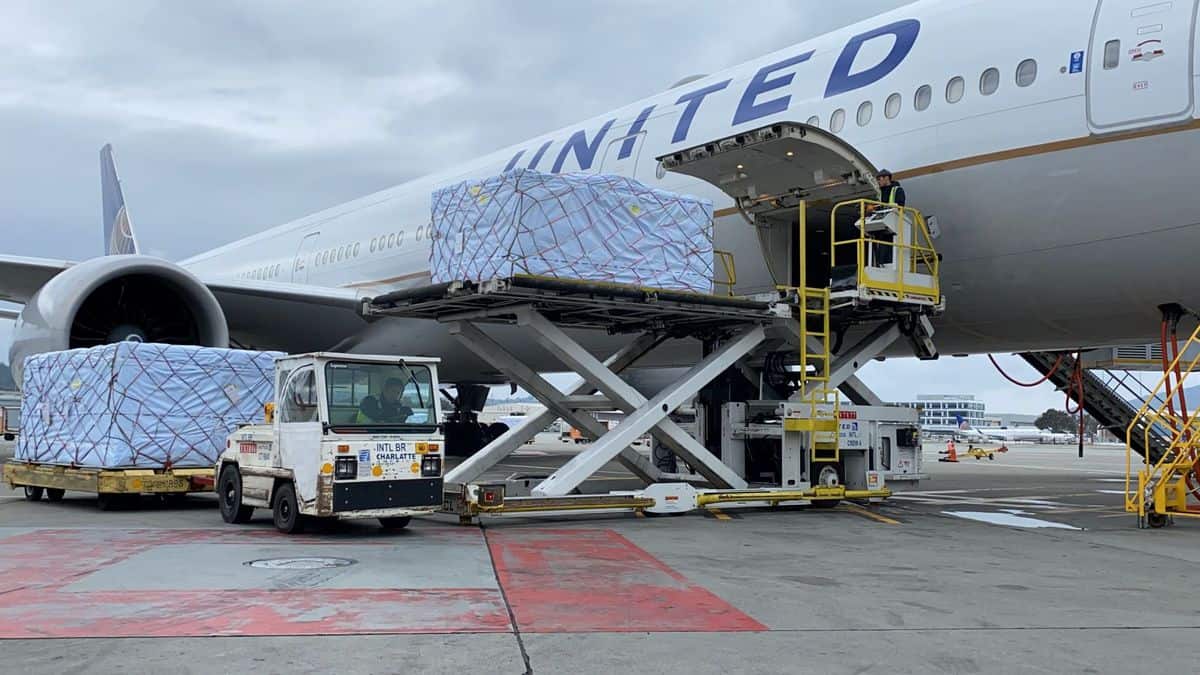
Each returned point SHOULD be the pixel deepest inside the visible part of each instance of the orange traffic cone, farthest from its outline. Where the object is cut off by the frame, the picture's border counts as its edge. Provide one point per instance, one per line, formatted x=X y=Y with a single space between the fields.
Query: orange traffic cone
x=951 y=454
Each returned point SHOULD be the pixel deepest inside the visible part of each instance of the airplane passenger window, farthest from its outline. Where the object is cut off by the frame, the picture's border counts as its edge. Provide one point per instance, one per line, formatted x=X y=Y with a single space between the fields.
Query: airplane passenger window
x=864 y=113
x=400 y=237
x=837 y=120
x=1112 y=54
x=814 y=121
x=923 y=98
x=989 y=82
x=891 y=108
x=955 y=89
x=373 y=240
x=391 y=240
x=356 y=248
x=420 y=232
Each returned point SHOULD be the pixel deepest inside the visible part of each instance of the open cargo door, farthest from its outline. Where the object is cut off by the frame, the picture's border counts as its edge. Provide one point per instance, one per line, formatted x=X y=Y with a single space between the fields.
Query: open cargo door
x=769 y=171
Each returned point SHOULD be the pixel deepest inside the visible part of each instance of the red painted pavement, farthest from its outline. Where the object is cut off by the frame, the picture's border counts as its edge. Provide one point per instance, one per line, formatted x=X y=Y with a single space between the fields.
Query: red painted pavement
x=36 y=567
x=555 y=581
x=597 y=580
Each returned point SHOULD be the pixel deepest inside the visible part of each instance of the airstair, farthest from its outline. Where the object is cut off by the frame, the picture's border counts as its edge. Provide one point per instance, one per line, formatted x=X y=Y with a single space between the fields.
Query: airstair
x=1162 y=485
x=1108 y=396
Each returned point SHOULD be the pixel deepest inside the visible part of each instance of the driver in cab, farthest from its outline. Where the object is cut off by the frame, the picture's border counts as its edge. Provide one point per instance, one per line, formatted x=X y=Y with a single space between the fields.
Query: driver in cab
x=385 y=408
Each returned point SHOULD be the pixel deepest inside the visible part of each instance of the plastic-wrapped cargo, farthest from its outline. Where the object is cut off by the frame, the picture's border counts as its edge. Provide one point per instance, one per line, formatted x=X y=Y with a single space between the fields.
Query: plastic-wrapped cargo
x=593 y=227
x=135 y=405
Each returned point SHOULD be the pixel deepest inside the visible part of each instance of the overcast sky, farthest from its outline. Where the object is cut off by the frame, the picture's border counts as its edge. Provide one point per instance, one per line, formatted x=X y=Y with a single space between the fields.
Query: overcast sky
x=231 y=117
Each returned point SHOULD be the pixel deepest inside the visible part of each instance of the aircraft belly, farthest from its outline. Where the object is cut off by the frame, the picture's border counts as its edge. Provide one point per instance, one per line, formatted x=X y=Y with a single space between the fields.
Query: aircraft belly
x=459 y=364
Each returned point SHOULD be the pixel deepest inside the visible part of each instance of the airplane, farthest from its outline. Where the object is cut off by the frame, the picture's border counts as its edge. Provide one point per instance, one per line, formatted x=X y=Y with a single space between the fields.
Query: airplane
x=970 y=432
x=1057 y=162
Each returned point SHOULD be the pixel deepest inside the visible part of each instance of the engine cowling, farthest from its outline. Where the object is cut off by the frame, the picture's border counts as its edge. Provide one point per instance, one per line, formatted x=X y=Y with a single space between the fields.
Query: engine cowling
x=116 y=298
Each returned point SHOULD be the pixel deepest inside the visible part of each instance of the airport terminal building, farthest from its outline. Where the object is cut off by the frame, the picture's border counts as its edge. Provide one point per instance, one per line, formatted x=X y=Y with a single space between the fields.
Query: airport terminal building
x=944 y=410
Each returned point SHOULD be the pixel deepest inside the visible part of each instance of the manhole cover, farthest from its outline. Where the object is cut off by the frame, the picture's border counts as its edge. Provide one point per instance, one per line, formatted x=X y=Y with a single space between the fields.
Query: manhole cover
x=299 y=563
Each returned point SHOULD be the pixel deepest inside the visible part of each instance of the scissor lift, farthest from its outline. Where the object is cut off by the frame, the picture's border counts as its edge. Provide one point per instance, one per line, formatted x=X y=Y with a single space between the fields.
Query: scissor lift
x=545 y=308
x=809 y=176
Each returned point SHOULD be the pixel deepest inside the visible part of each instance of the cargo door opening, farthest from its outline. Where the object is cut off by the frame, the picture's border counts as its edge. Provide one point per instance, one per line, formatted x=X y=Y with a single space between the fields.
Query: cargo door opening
x=769 y=173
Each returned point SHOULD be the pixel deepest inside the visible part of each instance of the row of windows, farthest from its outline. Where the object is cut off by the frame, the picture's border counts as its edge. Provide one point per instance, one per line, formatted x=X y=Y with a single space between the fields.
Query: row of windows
x=954 y=405
x=338 y=254
x=956 y=88
x=263 y=273
x=380 y=243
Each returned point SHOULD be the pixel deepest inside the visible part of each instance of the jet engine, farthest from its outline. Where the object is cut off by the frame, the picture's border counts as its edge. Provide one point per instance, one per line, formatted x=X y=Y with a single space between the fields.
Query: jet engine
x=116 y=298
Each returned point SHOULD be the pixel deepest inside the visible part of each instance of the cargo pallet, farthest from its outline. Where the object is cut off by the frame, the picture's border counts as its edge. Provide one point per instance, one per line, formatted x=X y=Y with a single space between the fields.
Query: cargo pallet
x=110 y=486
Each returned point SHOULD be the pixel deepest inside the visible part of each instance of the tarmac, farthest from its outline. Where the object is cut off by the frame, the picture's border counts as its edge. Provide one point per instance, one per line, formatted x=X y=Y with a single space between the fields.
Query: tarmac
x=1023 y=564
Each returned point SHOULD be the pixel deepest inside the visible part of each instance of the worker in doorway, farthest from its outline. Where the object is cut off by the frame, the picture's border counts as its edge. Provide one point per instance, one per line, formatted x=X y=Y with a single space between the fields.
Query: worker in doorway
x=891 y=194
x=385 y=408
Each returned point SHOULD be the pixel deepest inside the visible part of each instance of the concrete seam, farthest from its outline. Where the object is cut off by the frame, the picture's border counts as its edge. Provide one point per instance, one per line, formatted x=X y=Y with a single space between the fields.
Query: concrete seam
x=512 y=618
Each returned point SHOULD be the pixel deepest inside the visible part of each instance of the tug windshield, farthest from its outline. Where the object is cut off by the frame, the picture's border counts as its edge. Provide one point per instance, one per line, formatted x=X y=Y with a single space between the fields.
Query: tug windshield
x=380 y=397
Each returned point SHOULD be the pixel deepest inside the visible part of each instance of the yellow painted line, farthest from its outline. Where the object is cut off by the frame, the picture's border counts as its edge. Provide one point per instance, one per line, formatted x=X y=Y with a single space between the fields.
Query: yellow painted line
x=858 y=510
x=719 y=514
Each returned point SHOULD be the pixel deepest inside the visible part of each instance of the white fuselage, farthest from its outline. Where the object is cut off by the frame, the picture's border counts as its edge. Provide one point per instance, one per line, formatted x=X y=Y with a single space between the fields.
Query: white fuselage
x=1065 y=204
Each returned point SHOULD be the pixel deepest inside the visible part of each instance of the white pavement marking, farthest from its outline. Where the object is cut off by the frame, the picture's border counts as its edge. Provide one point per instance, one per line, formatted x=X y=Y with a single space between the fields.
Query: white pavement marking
x=1010 y=519
x=1111 y=492
x=954 y=500
x=1057 y=469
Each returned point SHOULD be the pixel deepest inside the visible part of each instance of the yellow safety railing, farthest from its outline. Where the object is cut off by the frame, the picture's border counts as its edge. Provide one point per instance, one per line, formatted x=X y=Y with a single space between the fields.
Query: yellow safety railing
x=730 y=268
x=1161 y=486
x=920 y=255
x=815 y=359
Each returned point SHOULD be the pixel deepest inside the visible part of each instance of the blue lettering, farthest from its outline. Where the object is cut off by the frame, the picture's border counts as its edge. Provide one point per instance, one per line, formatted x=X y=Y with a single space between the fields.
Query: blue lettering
x=513 y=162
x=693 y=100
x=842 y=81
x=584 y=152
x=634 y=130
x=537 y=156
x=748 y=110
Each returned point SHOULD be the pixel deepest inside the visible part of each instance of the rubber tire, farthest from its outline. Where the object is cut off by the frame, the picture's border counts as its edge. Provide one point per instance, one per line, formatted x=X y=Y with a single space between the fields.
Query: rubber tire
x=825 y=503
x=285 y=510
x=55 y=494
x=396 y=523
x=33 y=493
x=232 y=509
x=108 y=501
x=1156 y=520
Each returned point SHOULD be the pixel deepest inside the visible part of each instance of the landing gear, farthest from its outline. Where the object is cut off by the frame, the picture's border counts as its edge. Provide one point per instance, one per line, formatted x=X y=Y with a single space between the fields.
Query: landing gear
x=465 y=435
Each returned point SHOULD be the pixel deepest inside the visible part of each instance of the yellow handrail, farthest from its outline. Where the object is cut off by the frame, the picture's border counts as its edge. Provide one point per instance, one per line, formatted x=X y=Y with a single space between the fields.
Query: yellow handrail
x=1181 y=452
x=919 y=254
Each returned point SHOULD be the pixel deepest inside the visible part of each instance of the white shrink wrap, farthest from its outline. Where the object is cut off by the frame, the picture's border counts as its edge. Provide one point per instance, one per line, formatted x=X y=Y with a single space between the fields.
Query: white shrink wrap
x=135 y=405
x=591 y=227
